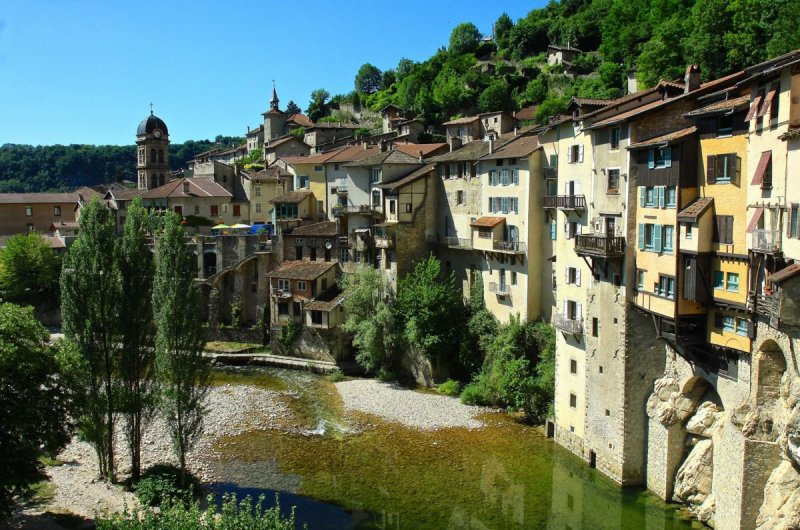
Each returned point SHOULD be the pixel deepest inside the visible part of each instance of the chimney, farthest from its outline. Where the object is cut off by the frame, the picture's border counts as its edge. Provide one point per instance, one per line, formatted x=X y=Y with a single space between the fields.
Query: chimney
x=455 y=143
x=633 y=84
x=491 y=145
x=692 y=78
x=186 y=187
x=515 y=130
x=383 y=146
x=420 y=157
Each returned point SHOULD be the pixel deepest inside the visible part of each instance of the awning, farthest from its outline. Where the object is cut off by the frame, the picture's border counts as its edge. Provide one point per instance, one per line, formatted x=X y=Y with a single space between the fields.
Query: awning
x=219 y=227
x=754 y=221
x=761 y=169
x=768 y=102
x=240 y=225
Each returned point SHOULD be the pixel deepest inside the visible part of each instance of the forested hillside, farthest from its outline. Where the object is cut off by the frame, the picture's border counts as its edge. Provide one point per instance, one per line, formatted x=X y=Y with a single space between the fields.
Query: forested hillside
x=655 y=38
x=27 y=168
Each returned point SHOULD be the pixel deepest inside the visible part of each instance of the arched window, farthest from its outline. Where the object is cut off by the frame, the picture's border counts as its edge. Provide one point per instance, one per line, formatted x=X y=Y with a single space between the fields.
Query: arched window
x=160 y=156
x=152 y=156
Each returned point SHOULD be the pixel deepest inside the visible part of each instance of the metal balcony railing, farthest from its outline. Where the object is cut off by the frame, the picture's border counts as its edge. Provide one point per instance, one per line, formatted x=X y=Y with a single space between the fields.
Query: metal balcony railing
x=768 y=241
x=573 y=326
x=499 y=289
x=550 y=172
x=600 y=246
x=565 y=202
x=449 y=241
x=515 y=247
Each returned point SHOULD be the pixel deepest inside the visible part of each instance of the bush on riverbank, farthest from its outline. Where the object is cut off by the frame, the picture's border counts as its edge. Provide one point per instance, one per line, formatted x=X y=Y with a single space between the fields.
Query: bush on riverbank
x=179 y=516
x=161 y=483
x=450 y=387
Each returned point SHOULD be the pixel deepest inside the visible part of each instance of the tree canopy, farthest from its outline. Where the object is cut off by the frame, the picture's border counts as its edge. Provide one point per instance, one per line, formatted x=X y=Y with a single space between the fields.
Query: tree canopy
x=29 y=269
x=368 y=79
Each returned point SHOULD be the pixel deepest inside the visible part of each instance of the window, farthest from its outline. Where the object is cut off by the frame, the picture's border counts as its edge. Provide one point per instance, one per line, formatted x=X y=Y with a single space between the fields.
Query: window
x=595 y=327
x=575 y=154
x=375 y=175
x=773 y=110
x=732 y=282
x=408 y=207
x=725 y=125
x=794 y=213
x=613 y=181
x=392 y=207
x=719 y=280
x=317 y=168
x=258 y=207
x=573 y=366
x=659 y=158
x=258 y=191
x=214 y=209
x=29 y=227
x=513 y=277
x=742 y=327
x=237 y=210
x=688 y=231
x=336 y=167
x=29 y=211
x=572 y=275
x=728 y=323
x=284 y=285
x=666 y=286
x=649 y=237
x=301 y=286
x=672 y=196
x=283 y=308
x=573 y=401
x=316 y=317
x=651 y=196
x=460 y=198
x=197 y=209
x=723 y=169
x=616 y=133
x=224 y=208
x=344 y=255
x=640 y=279
x=178 y=209
x=553 y=230
x=723 y=232
x=668 y=234
x=57 y=211
x=303 y=181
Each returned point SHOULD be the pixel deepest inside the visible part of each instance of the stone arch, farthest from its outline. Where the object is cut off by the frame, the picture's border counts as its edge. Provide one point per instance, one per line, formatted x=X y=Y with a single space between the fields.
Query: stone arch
x=209 y=263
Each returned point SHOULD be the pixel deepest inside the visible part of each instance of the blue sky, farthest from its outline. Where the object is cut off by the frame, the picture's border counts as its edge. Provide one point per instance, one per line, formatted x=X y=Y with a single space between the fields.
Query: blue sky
x=86 y=71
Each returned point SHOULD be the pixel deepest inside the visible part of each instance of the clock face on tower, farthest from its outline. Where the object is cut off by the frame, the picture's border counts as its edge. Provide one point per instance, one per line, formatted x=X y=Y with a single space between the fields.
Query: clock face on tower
x=157 y=133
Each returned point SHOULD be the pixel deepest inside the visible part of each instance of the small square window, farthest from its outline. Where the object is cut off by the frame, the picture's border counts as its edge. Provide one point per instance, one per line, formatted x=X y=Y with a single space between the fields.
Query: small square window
x=29 y=211
x=608 y=412
x=301 y=286
x=57 y=211
x=408 y=208
x=573 y=401
x=600 y=369
x=595 y=327
x=573 y=366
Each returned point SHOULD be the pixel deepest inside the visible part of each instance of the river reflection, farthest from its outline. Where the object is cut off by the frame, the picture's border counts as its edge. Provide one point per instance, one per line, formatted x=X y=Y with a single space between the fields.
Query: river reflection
x=375 y=474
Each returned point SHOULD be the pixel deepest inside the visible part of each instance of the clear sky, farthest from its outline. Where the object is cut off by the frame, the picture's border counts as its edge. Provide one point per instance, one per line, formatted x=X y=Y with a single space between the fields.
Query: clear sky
x=84 y=71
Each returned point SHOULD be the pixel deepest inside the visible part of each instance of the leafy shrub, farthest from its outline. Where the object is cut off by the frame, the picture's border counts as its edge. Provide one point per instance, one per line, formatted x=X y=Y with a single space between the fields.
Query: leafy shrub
x=160 y=484
x=450 y=387
x=291 y=332
x=178 y=515
x=336 y=376
x=475 y=393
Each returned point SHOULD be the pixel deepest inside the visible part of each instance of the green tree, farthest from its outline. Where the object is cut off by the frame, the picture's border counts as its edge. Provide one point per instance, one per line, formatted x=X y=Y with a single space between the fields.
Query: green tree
x=502 y=29
x=404 y=67
x=495 y=97
x=293 y=108
x=317 y=106
x=661 y=58
x=368 y=306
x=90 y=293
x=368 y=79
x=33 y=403
x=136 y=367
x=430 y=307
x=388 y=78
x=182 y=370
x=552 y=106
x=785 y=34
x=449 y=91
x=29 y=269
x=464 y=38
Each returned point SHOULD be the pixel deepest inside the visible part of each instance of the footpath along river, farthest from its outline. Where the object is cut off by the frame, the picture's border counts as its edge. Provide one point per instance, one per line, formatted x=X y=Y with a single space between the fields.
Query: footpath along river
x=345 y=468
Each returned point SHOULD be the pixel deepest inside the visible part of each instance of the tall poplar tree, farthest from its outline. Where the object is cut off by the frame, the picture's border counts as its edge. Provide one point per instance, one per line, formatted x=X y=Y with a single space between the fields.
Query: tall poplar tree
x=89 y=308
x=182 y=370
x=136 y=368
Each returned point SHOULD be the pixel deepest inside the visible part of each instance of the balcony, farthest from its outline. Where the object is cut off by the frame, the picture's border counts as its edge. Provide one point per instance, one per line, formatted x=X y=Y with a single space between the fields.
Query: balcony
x=565 y=202
x=513 y=247
x=600 y=246
x=499 y=289
x=448 y=241
x=366 y=209
x=282 y=293
x=384 y=241
x=550 y=172
x=573 y=326
x=766 y=241
x=341 y=187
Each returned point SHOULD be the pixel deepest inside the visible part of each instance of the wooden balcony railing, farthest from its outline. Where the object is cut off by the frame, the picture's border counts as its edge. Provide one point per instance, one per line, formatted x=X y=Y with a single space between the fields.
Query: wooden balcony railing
x=565 y=202
x=599 y=246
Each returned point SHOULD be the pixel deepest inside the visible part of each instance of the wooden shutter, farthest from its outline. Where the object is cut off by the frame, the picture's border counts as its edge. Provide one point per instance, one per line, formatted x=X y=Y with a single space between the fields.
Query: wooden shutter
x=642 y=195
x=641 y=236
x=753 y=109
x=460 y=170
x=569 y=155
x=565 y=307
x=667 y=157
x=580 y=153
x=651 y=158
x=717 y=320
x=566 y=275
x=657 y=238
x=763 y=162
x=732 y=168
x=711 y=169
x=578 y=311
x=754 y=221
x=768 y=102
x=578 y=276
x=472 y=170
x=662 y=203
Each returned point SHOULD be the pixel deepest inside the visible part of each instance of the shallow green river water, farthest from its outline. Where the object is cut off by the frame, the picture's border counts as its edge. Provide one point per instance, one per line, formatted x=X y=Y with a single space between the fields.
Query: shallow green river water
x=367 y=473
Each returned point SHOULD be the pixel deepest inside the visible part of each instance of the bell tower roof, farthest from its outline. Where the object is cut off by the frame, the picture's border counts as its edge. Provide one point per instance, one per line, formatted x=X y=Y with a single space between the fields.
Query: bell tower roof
x=273 y=103
x=150 y=124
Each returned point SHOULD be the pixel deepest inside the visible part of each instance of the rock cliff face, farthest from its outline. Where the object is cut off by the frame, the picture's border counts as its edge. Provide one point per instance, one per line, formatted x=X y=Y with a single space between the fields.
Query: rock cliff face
x=668 y=405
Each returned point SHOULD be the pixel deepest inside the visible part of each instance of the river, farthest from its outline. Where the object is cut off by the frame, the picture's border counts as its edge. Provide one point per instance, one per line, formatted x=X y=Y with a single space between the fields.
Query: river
x=362 y=472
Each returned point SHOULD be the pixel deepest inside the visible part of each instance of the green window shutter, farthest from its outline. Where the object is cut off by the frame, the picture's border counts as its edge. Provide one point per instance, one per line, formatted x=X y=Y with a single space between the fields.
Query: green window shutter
x=661 y=199
x=657 y=238
x=641 y=236
x=651 y=158
x=642 y=195
x=553 y=230
x=733 y=168
x=711 y=169
x=667 y=157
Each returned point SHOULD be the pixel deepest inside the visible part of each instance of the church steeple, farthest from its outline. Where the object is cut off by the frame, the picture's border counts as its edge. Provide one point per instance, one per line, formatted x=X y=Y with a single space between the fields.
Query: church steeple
x=273 y=103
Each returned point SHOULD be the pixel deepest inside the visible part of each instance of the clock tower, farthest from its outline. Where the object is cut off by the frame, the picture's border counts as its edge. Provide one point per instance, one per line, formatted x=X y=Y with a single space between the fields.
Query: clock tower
x=152 y=152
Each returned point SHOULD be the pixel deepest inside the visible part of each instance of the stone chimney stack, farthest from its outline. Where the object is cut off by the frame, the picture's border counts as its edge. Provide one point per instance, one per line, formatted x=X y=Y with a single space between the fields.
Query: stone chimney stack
x=455 y=143
x=491 y=145
x=420 y=157
x=692 y=78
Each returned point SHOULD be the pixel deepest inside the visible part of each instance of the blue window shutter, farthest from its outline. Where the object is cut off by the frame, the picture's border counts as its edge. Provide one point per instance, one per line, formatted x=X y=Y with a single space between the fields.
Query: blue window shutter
x=642 y=195
x=651 y=158
x=641 y=236
x=553 y=230
x=657 y=238
x=661 y=199
x=667 y=157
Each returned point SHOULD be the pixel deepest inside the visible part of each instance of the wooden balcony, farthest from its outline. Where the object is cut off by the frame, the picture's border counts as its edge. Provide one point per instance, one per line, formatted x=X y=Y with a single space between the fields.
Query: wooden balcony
x=572 y=326
x=600 y=246
x=766 y=241
x=565 y=202
x=513 y=247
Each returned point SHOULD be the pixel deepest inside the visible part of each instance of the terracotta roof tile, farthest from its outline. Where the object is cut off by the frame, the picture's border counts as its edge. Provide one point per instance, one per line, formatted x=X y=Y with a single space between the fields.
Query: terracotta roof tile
x=487 y=222
x=460 y=121
x=321 y=229
x=665 y=138
x=721 y=106
x=326 y=301
x=527 y=113
x=786 y=273
x=414 y=149
x=695 y=209
x=300 y=119
x=301 y=270
x=39 y=198
x=411 y=177
x=519 y=147
x=280 y=141
x=393 y=156
x=198 y=187
x=292 y=197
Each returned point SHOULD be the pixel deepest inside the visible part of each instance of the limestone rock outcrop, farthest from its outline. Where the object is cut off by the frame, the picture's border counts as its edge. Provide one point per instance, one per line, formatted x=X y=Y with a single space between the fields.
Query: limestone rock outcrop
x=781 y=507
x=705 y=421
x=694 y=478
x=668 y=404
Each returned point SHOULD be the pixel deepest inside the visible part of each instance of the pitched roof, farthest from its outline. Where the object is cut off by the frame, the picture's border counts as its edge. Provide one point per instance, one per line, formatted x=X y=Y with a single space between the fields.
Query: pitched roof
x=527 y=113
x=786 y=273
x=333 y=125
x=563 y=48
x=292 y=197
x=472 y=150
x=411 y=177
x=353 y=152
x=280 y=141
x=719 y=107
x=256 y=130
x=519 y=147
x=301 y=270
x=321 y=229
x=487 y=221
x=326 y=301
x=300 y=119
x=124 y=195
x=695 y=209
x=271 y=173
x=589 y=102
x=197 y=187
x=38 y=198
x=392 y=156
x=415 y=149
x=668 y=138
x=460 y=121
